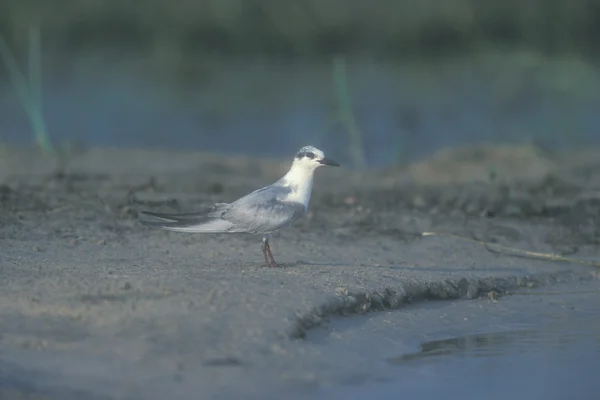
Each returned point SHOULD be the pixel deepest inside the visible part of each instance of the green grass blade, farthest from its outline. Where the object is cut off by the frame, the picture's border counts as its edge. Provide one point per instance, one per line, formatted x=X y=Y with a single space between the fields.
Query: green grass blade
x=29 y=91
x=35 y=91
x=346 y=114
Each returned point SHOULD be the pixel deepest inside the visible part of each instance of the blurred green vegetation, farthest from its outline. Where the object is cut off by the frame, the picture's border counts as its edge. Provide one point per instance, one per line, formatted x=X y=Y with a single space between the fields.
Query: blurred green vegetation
x=308 y=28
x=523 y=52
x=28 y=87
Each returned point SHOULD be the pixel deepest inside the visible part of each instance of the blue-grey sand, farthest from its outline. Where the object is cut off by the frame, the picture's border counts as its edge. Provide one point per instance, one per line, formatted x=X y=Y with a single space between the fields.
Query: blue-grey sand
x=94 y=305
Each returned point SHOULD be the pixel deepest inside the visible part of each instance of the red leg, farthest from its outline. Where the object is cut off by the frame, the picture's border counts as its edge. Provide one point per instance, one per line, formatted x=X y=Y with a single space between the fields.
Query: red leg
x=272 y=262
x=269 y=260
x=264 y=251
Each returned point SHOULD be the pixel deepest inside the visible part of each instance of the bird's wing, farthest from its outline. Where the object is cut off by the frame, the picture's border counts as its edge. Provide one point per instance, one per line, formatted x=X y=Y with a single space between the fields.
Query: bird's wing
x=189 y=216
x=263 y=210
x=207 y=221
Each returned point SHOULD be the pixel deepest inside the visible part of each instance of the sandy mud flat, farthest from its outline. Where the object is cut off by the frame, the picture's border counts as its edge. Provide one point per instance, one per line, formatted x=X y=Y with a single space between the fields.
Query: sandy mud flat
x=93 y=304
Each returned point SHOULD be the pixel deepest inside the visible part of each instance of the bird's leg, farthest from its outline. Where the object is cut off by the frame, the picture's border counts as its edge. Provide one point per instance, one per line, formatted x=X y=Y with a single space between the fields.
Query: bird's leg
x=269 y=261
x=265 y=243
x=272 y=262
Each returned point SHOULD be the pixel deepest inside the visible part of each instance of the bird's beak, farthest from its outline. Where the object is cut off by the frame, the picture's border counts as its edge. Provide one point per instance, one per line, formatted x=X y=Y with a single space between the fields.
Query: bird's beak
x=327 y=161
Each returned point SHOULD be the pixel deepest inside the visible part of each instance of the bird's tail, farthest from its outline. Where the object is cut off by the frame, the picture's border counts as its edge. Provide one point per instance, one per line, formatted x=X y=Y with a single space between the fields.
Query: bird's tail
x=206 y=222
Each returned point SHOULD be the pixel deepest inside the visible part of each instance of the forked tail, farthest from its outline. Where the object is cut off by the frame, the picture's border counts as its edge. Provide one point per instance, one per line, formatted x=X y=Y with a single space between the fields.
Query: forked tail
x=208 y=222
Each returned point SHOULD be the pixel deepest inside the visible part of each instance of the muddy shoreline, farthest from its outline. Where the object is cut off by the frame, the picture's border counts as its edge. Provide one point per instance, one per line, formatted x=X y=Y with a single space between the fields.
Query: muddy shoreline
x=93 y=302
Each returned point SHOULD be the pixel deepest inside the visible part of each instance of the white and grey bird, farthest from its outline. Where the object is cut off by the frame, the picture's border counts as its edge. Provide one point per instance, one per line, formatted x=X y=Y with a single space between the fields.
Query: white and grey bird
x=263 y=211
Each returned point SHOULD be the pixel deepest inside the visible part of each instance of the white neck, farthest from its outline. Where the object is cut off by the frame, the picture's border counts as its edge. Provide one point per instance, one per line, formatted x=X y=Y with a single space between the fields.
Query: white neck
x=300 y=179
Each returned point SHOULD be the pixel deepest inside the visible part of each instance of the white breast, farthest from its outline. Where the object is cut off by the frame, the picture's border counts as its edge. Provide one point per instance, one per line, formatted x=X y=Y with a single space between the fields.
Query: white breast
x=300 y=182
x=301 y=192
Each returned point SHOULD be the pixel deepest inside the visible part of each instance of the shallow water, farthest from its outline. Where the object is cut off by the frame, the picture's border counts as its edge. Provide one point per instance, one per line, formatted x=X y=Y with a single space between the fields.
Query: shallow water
x=522 y=364
x=270 y=108
x=510 y=365
x=544 y=347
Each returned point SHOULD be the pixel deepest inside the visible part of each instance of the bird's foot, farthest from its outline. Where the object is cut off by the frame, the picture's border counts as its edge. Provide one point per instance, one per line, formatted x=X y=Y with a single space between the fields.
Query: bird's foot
x=271 y=264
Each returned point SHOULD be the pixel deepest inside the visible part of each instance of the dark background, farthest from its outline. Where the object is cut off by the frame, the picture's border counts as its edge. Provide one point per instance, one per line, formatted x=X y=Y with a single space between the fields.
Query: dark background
x=265 y=77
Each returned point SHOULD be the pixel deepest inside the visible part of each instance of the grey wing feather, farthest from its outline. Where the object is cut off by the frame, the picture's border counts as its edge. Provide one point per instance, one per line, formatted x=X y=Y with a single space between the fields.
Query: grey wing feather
x=169 y=221
x=264 y=211
x=211 y=212
x=261 y=211
x=262 y=218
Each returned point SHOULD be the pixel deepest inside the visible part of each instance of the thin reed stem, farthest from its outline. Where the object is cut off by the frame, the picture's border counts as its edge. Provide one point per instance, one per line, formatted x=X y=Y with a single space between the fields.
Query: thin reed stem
x=346 y=114
x=29 y=88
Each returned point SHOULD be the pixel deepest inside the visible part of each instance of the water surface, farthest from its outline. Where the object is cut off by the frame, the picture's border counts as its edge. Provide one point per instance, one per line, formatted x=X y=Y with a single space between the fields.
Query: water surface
x=522 y=347
x=269 y=108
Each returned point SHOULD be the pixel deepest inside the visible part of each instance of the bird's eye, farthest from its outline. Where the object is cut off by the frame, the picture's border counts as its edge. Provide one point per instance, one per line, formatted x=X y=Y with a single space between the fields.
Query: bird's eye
x=310 y=155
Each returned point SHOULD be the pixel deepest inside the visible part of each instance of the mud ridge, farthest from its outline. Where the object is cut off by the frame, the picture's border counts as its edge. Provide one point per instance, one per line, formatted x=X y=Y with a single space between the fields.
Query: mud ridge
x=348 y=303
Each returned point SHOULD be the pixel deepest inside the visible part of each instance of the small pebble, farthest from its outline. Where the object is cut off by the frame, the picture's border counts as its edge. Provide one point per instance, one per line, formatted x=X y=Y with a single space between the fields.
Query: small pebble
x=493 y=296
x=350 y=200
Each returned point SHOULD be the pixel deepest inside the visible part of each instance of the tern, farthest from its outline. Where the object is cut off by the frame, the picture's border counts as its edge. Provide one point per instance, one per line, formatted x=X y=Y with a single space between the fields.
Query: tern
x=263 y=211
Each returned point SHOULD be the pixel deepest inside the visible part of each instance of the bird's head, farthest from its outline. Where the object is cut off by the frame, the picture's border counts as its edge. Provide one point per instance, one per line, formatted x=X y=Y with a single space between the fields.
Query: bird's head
x=311 y=158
